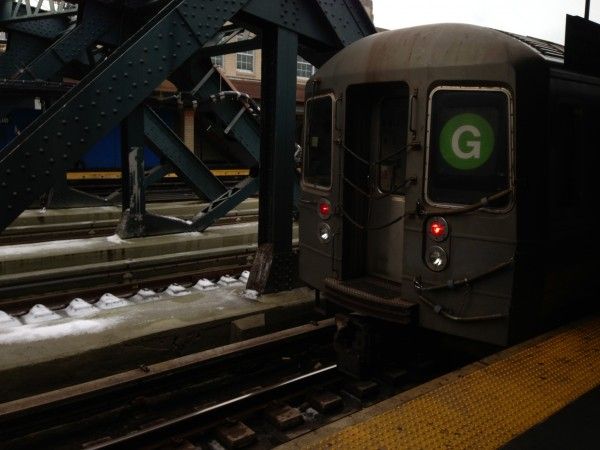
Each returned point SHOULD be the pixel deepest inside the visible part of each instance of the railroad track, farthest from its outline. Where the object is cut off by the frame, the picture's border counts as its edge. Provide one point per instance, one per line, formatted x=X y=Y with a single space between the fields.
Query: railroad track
x=258 y=394
x=122 y=279
x=91 y=228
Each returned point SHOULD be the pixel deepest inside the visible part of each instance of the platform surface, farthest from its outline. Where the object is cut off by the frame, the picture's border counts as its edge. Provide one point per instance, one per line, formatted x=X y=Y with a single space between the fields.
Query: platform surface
x=68 y=350
x=503 y=400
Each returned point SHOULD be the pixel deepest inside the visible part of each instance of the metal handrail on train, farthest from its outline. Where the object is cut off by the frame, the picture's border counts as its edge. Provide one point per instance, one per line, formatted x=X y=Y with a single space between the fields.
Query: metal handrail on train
x=485 y=201
x=453 y=284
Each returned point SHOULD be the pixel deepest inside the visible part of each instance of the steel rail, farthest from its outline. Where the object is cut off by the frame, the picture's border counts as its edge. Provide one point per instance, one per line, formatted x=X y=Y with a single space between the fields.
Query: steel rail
x=153 y=435
x=63 y=407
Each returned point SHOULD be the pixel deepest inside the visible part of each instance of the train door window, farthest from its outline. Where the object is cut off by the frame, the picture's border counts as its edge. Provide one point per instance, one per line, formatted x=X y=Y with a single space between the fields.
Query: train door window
x=317 y=141
x=468 y=145
x=393 y=130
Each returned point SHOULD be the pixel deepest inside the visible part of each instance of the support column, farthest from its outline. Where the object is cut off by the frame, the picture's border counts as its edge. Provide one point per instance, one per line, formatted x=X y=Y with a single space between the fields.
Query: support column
x=132 y=167
x=188 y=121
x=275 y=267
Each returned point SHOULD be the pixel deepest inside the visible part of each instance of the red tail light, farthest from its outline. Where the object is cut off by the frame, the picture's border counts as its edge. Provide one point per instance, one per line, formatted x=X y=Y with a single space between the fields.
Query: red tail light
x=324 y=208
x=438 y=229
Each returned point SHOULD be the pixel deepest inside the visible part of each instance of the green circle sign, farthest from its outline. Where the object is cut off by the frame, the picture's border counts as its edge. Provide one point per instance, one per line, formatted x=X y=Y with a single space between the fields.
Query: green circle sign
x=467 y=141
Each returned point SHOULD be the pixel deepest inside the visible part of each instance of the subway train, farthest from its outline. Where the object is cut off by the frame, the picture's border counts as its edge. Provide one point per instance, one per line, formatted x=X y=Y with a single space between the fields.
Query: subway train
x=449 y=176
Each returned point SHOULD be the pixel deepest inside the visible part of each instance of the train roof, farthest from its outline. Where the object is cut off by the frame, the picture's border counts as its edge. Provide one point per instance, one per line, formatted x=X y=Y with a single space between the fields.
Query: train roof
x=438 y=46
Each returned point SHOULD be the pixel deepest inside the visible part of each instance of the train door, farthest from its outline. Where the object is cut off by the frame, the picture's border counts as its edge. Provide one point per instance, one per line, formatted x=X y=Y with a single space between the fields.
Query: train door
x=385 y=238
x=374 y=171
x=317 y=200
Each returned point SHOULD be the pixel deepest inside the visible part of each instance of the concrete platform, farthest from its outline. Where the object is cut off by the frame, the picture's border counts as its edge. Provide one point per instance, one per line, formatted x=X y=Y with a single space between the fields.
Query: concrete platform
x=515 y=399
x=185 y=210
x=38 y=357
x=43 y=256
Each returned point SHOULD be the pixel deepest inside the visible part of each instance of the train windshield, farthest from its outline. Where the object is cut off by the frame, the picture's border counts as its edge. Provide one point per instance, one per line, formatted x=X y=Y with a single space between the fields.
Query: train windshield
x=468 y=145
x=317 y=141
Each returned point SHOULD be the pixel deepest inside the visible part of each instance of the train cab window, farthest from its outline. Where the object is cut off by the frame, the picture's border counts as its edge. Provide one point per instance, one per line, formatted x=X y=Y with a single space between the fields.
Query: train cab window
x=317 y=141
x=468 y=150
x=393 y=130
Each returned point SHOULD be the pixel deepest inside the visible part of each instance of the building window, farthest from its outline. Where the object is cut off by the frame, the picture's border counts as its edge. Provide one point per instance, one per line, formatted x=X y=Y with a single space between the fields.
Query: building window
x=217 y=61
x=245 y=61
x=304 y=69
x=2 y=41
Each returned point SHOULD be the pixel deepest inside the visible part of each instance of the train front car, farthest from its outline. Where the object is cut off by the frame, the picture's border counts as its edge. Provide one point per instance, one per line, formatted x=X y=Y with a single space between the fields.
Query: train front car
x=428 y=191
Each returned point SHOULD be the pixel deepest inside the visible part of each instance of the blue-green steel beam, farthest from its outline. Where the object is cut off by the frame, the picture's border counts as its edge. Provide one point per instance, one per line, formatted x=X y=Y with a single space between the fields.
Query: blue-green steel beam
x=187 y=165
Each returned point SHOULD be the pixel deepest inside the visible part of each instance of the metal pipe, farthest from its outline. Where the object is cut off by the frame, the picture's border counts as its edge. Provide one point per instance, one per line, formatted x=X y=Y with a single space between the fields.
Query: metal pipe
x=587 y=9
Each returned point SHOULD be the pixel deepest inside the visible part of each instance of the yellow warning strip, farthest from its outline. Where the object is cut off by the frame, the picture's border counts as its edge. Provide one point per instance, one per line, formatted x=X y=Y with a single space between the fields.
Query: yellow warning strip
x=108 y=175
x=491 y=406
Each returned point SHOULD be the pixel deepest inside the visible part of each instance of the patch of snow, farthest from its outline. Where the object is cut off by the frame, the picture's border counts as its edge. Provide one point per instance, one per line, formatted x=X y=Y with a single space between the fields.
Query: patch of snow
x=244 y=276
x=41 y=332
x=8 y=321
x=250 y=294
x=80 y=308
x=229 y=281
x=204 y=284
x=40 y=313
x=144 y=295
x=176 y=290
x=116 y=239
x=109 y=301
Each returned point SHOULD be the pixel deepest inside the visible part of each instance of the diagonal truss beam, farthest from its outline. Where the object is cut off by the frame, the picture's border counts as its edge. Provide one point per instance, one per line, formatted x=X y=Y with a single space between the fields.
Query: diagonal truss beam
x=28 y=10
x=96 y=20
x=104 y=98
x=167 y=144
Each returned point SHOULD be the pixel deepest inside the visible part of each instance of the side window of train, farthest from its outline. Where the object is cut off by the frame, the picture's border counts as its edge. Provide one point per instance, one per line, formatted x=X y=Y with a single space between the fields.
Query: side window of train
x=317 y=141
x=468 y=145
x=393 y=131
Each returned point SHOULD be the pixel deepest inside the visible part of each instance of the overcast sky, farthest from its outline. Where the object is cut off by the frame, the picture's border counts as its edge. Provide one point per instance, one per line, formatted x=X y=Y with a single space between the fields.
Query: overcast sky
x=543 y=19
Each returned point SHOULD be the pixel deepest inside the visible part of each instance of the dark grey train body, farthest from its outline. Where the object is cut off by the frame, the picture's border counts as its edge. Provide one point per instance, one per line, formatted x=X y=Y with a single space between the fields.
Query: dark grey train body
x=482 y=131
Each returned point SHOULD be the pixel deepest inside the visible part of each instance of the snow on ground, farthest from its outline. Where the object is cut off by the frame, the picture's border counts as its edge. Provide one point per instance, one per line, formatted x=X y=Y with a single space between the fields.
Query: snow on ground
x=55 y=330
